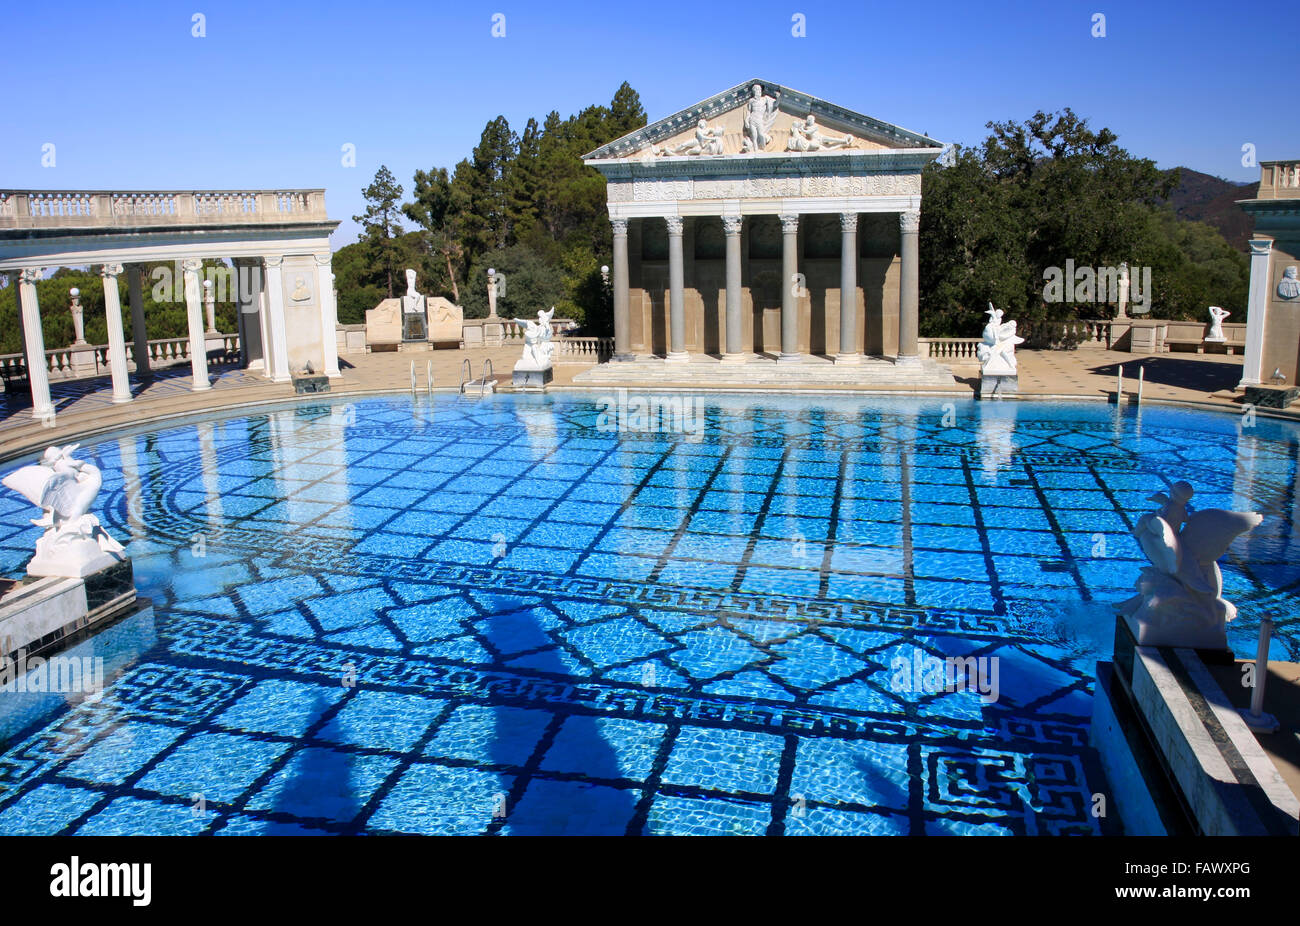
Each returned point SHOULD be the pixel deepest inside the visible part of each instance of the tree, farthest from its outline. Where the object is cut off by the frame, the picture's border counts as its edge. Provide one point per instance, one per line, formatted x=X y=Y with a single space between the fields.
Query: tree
x=1045 y=191
x=381 y=222
x=435 y=210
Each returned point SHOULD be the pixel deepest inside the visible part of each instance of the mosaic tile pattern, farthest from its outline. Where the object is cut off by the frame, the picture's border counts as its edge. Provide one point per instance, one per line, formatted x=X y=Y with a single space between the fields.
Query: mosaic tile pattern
x=495 y=617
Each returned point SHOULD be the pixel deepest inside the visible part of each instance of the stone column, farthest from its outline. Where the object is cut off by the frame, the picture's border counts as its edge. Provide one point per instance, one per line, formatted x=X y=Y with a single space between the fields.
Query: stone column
x=622 y=323
x=676 y=291
x=140 y=337
x=1261 y=253
x=38 y=376
x=194 y=309
x=329 y=318
x=116 y=339
x=790 y=287
x=277 y=359
x=735 y=350
x=909 y=299
x=848 y=352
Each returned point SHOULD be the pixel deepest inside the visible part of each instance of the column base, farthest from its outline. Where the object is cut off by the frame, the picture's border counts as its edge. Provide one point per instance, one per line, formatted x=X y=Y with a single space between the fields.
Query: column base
x=677 y=356
x=200 y=388
x=789 y=358
x=850 y=360
x=43 y=414
x=734 y=358
x=623 y=358
x=907 y=360
x=121 y=400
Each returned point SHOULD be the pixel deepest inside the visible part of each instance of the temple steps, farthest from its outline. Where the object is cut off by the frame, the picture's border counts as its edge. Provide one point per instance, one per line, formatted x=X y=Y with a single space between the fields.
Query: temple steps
x=759 y=371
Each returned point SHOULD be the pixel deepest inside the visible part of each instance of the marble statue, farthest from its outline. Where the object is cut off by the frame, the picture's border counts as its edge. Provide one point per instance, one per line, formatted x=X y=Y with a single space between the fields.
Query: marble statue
x=413 y=301
x=997 y=352
x=1179 y=600
x=74 y=544
x=538 y=347
x=706 y=141
x=807 y=136
x=760 y=116
x=1217 y=315
x=1288 y=287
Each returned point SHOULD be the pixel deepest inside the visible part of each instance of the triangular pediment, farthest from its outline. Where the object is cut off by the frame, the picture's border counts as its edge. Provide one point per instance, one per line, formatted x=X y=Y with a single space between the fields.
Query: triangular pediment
x=773 y=120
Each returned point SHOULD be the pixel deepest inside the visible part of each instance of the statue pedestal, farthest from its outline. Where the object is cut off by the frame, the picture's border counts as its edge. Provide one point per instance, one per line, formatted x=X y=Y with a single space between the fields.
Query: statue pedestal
x=531 y=379
x=308 y=383
x=1271 y=396
x=37 y=615
x=82 y=359
x=995 y=384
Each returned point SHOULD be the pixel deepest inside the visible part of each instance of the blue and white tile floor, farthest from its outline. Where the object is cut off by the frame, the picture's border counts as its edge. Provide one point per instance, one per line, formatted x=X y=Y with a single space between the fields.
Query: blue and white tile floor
x=495 y=617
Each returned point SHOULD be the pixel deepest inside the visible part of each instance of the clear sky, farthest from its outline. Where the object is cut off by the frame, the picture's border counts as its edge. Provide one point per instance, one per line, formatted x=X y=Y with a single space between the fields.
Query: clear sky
x=131 y=99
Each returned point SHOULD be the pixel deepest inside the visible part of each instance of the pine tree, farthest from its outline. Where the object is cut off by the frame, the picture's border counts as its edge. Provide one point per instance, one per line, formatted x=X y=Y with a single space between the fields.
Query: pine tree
x=381 y=221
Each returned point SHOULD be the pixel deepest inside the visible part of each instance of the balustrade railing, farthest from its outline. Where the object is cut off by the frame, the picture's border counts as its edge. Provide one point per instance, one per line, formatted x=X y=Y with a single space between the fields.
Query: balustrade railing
x=92 y=359
x=949 y=350
x=107 y=208
x=583 y=350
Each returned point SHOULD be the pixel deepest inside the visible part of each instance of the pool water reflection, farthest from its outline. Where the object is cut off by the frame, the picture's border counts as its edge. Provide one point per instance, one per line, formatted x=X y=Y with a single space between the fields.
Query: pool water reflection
x=498 y=616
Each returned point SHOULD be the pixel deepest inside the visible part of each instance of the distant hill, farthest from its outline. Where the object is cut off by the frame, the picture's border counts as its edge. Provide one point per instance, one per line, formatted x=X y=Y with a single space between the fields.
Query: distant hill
x=1202 y=198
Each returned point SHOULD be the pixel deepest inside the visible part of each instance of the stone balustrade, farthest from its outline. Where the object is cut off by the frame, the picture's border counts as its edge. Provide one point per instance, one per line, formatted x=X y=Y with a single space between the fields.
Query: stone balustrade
x=949 y=350
x=107 y=209
x=92 y=359
x=583 y=350
x=1279 y=180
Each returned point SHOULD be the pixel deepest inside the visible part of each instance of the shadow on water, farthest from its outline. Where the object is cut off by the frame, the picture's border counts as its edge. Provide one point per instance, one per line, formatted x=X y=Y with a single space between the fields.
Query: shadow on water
x=575 y=745
x=322 y=784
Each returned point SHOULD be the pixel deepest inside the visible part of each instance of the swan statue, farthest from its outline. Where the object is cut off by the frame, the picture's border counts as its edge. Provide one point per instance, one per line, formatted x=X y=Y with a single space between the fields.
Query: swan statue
x=1180 y=595
x=64 y=488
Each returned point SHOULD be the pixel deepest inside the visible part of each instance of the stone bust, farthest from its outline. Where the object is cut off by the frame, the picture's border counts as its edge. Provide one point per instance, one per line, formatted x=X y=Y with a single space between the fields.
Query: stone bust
x=1288 y=287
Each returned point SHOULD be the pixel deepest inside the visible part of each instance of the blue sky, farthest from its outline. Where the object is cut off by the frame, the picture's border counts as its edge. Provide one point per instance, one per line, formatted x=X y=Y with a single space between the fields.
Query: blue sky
x=132 y=100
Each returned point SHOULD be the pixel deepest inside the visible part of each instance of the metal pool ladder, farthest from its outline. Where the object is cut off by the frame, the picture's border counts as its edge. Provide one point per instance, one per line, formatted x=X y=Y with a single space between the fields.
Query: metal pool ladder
x=485 y=383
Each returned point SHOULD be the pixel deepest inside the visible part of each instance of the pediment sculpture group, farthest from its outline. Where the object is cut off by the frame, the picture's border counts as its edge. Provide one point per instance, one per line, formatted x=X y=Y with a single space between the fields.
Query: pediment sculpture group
x=756 y=131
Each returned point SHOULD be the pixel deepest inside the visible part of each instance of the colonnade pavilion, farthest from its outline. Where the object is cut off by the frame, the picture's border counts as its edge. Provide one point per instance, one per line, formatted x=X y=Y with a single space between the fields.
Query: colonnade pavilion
x=741 y=223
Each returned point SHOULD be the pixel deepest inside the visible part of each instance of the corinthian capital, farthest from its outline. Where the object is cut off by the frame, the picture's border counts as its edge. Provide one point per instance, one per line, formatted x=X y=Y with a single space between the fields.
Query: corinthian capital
x=620 y=226
x=790 y=223
x=909 y=222
x=30 y=274
x=675 y=224
x=110 y=271
x=731 y=224
x=848 y=222
x=192 y=265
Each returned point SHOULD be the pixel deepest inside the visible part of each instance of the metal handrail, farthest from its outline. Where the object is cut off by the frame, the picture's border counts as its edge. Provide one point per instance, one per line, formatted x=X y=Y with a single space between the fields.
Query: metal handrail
x=466 y=374
x=488 y=376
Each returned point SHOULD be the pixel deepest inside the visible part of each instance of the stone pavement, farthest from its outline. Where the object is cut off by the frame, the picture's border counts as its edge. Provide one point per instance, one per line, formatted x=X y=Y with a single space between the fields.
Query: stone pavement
x=84 y=407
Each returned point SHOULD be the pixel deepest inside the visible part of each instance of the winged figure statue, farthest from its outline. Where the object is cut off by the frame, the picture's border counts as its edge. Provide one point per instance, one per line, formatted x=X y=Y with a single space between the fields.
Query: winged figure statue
x=64 y=488
x=1180 y=595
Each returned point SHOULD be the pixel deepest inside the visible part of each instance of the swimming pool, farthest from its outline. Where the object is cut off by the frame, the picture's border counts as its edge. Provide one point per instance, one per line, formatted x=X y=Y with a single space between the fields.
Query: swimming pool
x=508 y=616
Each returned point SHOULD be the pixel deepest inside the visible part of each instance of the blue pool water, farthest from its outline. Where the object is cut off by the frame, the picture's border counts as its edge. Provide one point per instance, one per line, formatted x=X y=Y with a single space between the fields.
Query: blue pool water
x=498 y=616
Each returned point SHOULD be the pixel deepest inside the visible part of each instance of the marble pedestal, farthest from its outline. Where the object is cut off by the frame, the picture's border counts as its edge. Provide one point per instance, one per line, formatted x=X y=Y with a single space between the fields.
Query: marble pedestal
x=307 y=383
x=531 y=379
x=1271 y=396
x=38 y=614
x=81 y=357
x=995 y=384
x=1178 y=757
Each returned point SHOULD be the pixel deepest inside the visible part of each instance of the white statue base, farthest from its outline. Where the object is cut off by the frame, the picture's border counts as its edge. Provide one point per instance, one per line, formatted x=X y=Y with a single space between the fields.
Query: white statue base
x=998 y=384
x=75 y=555
x=1164 y=612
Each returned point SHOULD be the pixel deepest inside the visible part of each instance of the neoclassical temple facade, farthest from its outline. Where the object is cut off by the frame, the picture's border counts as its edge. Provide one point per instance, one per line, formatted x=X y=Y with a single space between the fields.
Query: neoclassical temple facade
x=764 y=224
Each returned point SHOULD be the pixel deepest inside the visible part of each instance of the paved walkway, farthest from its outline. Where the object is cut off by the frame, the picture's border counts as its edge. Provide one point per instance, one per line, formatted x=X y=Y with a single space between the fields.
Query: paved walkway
x=84 y=407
